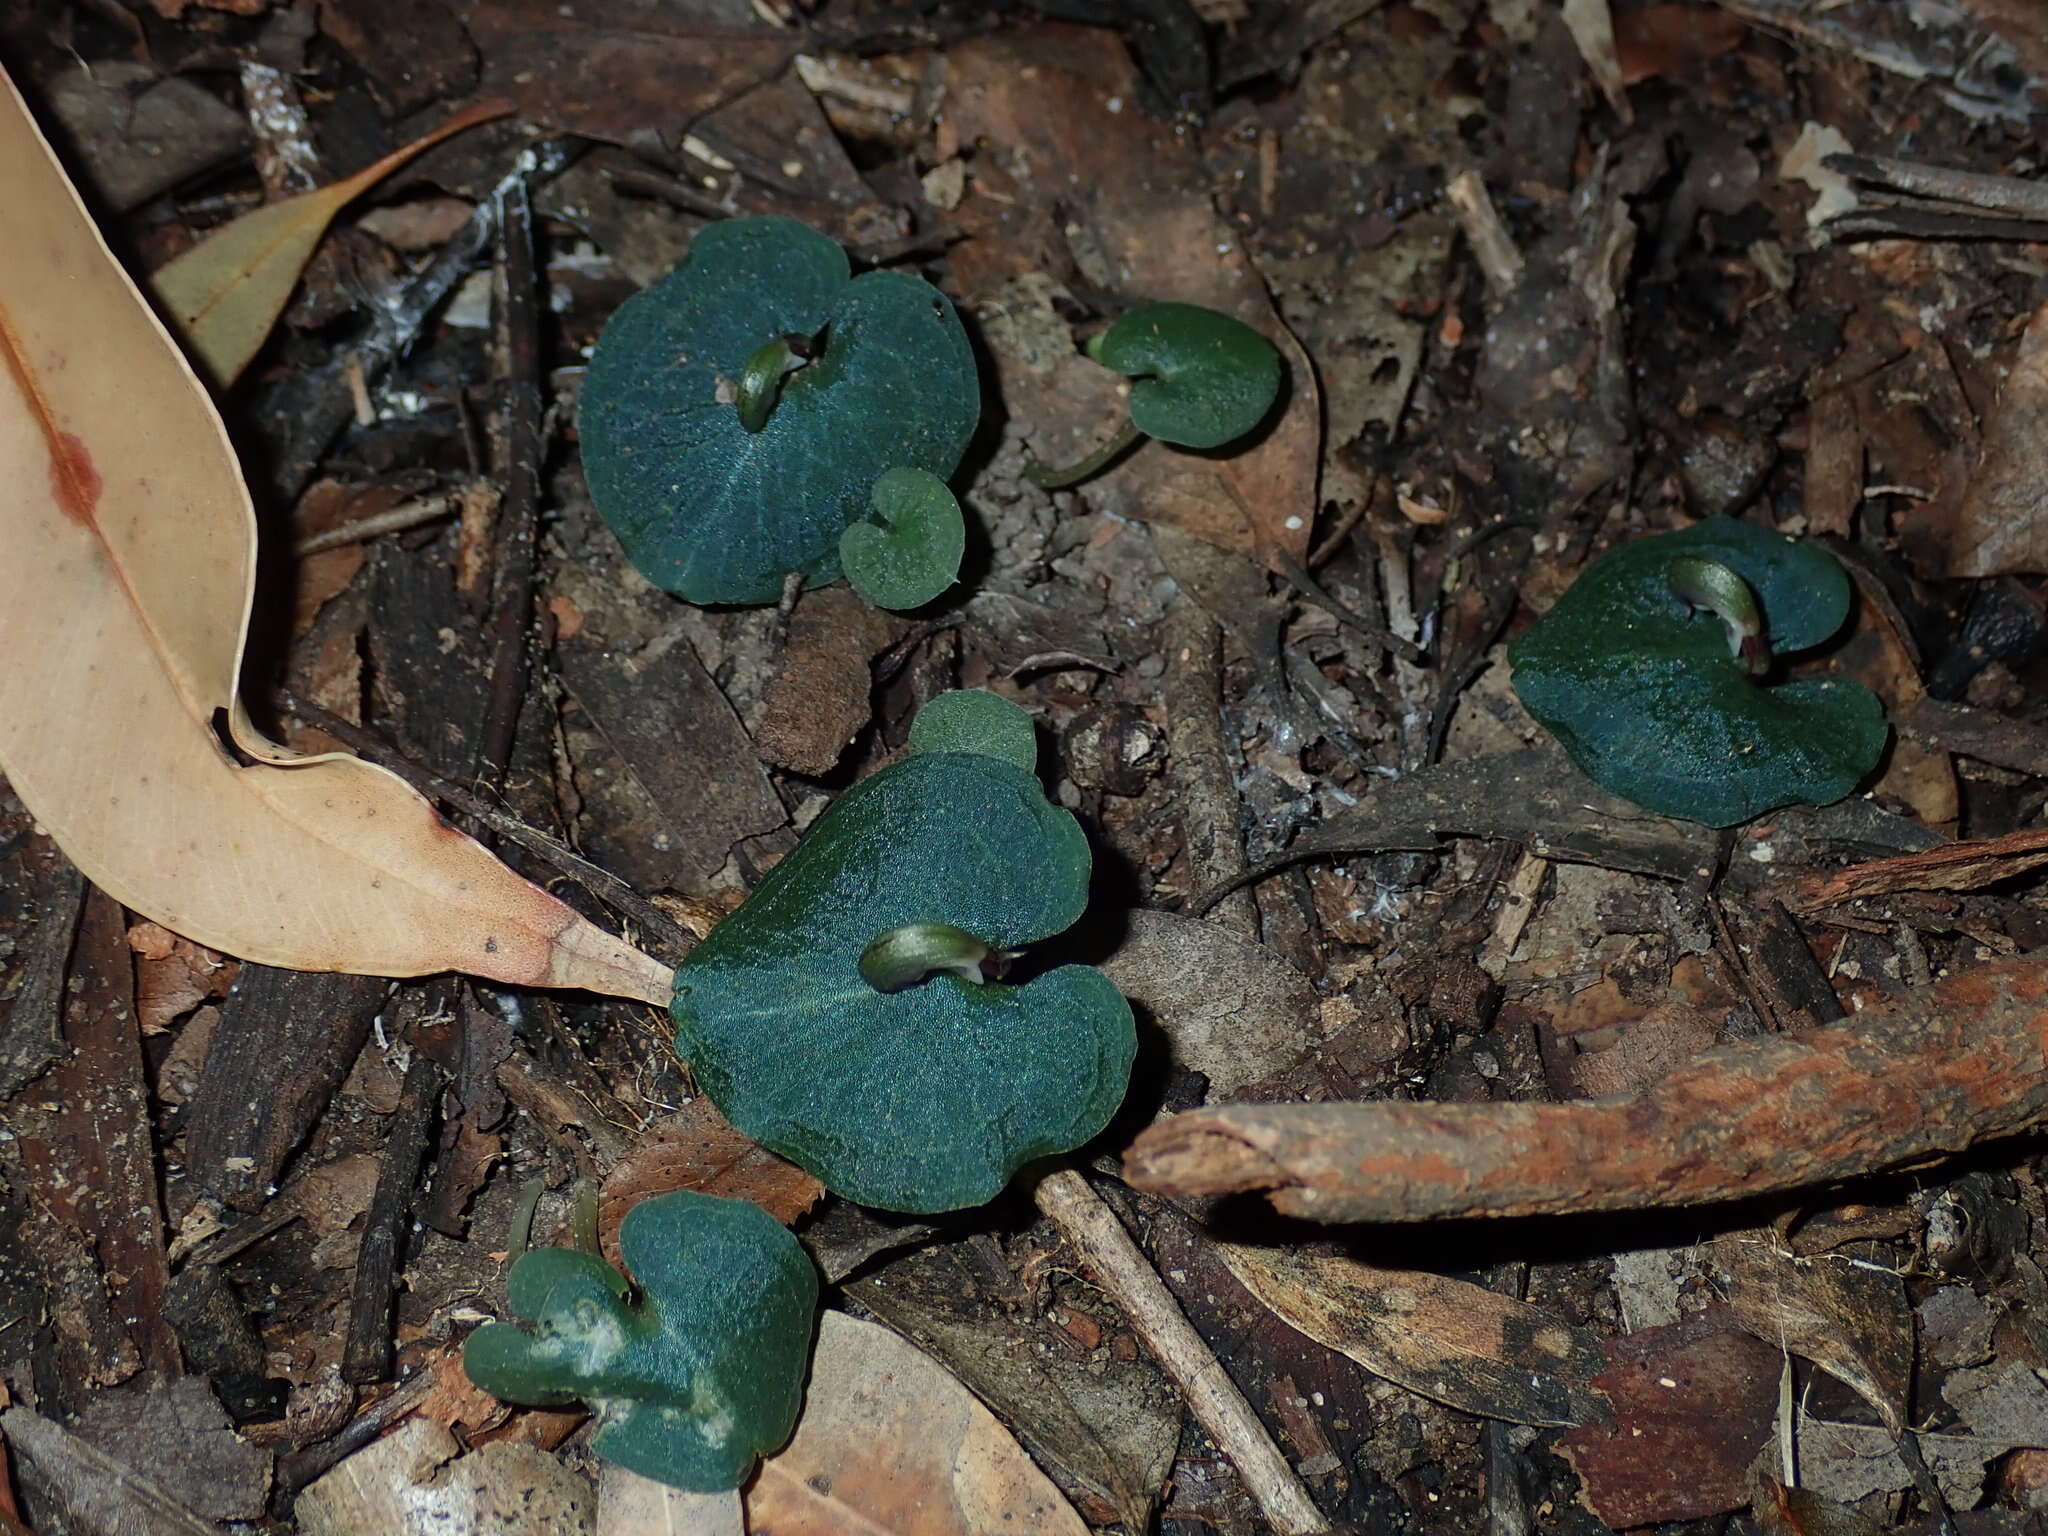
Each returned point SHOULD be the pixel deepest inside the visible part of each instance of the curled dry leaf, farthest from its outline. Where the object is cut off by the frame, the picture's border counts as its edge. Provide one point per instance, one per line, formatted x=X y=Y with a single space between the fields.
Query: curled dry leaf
x=125 y=592
x=1445 y=1338
x=889 y=1441
x=226 y=292
x=2004 y=522
x=1848 y=1316
x=173 y=976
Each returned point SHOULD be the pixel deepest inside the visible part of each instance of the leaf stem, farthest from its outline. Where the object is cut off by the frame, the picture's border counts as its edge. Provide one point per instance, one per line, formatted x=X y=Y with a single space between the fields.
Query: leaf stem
x=1099 y=460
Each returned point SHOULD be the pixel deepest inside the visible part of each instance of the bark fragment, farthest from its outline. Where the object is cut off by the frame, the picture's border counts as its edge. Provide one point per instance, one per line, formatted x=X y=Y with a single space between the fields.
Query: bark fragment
x=1932 y=1071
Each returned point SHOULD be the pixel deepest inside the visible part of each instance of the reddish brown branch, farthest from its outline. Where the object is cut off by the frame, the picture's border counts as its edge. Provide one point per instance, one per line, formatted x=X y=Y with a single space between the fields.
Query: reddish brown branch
x=1933 y=1071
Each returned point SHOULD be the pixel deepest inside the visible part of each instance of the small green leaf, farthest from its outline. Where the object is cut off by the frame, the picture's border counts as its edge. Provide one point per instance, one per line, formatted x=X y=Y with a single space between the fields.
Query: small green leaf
x=928 y=1098
x=1648 y=696
x=702 y=1375
x=1204 y=379
x=975 y=720
x=716 y=513
x=910 y=550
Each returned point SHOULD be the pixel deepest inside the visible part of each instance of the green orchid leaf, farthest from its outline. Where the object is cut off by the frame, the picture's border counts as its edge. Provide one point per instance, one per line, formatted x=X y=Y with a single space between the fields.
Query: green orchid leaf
x=1203 y=378
x=930 y=1097
x=1644 y=672
x=840 y=378
x=975 y=720
x=688 y=1385
x=910 y=550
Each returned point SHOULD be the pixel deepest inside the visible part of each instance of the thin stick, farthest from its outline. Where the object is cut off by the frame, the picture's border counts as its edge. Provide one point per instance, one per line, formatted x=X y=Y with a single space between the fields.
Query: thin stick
x=1092 y=1227
x=519 y=444
x=1492 y=246
x=2014 y=196
x=407 y=514
x=300 y=1467
x=367 y=1355
x=1198 y=759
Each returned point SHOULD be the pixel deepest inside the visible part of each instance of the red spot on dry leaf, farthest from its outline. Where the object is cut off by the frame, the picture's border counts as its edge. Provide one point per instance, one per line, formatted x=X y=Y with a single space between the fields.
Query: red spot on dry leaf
x=74 y=479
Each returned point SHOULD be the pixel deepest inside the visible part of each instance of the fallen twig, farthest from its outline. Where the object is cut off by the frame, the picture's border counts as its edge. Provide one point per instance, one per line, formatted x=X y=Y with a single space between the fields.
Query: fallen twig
x=2016 y=197
x=1093 y=1229
x=1492 y=246
x=314 y=403
x=407 y=514
x=1929 y=1072
x=1941 y=202
x=367 y=1355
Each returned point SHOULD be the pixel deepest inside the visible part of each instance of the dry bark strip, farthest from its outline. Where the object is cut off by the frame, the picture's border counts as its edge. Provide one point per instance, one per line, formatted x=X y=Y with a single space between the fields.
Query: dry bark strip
x=96 y=1169
x=1932 y=1071
x=1951 y=867
x=285 y=1042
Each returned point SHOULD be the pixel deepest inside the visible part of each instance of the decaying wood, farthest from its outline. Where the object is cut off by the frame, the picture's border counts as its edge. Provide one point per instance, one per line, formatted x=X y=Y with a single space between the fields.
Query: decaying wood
x=29 y=1036
x=677 y=734
x=1930 y=1072
x=101 y=1493
x=1197 y=763
x=96 y=1169
x=1984 y=734
x=285 y=1041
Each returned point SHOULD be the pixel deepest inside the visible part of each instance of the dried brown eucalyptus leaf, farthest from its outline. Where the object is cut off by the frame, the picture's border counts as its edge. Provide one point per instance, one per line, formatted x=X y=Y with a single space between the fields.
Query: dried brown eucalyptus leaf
x=130 y=555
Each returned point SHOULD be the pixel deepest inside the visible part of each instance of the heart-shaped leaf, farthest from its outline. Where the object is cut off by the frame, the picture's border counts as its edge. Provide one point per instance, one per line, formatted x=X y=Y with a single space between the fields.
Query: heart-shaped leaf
x=1203 y=377
x=927 y=1098
x=699 y=1376
x=1658 y=703
x=975 y=720
x=714 y=512
x=910 y=550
